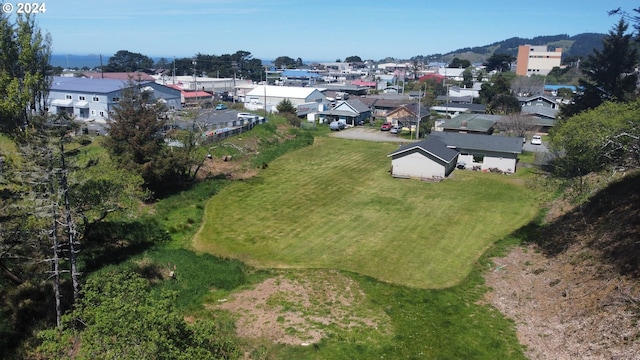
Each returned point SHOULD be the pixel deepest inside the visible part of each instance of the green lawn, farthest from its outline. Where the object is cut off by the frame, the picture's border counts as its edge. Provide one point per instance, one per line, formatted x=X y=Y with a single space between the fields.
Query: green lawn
x=334 y=205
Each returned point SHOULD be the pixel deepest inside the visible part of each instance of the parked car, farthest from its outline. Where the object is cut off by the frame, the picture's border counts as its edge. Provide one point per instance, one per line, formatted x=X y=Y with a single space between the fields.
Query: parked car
x=221 y=107
x=336 y=126
x=386 y=127
x=395 y=130
x=536 y=140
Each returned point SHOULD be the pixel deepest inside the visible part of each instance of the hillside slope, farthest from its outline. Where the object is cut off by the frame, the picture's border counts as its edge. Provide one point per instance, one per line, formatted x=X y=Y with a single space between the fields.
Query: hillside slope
x=579 y=45
x=574 y=292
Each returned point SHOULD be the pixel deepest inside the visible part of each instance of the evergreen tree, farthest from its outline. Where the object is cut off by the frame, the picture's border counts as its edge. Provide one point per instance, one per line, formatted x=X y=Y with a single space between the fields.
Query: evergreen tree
x=25 y=73
x=610 y=73
x=500 y=62
x=126 y=61
x=285 y=106
x=134 y=142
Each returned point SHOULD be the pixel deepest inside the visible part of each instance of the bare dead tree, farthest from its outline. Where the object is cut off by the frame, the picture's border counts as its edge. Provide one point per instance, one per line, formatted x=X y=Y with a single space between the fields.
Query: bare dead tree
x=516 y=124
x=55 y=248
x=70 y=228
x=528 y=85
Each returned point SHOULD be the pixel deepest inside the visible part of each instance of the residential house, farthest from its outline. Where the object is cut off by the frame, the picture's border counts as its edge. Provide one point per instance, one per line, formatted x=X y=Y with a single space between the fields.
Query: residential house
x=464 y=94
x=553 y=89
x=451 y=73
x=540 y=105
x=483 y=152
x=469 y=123
x=350 y=112
x=453 y=109
x=192 y=98
x=201 y=83
x=429 y=159
x=542 y=111
x=408 y=115
x=381 y=105
x=299 y=78
x=94 y=98
x=432 y=76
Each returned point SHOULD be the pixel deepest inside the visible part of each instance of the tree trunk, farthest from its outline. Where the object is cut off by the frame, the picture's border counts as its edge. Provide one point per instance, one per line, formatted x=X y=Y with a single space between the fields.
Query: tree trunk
x=13 y=277
x=70 y=228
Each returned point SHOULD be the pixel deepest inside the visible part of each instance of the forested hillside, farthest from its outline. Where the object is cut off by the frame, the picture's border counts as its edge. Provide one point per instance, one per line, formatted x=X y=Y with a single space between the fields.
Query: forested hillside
x=577 y=46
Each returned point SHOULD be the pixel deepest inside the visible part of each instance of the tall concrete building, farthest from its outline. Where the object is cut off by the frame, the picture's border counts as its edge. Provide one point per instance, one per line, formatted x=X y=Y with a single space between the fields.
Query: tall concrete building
x=537 y=60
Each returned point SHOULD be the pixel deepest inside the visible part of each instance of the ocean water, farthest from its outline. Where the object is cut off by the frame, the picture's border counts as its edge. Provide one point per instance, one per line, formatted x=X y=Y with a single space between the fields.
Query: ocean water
x=67 y=61
x=92 y=61
x=78 y=61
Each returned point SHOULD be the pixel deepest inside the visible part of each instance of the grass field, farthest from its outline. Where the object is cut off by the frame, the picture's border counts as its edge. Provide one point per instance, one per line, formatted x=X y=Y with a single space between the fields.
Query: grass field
x=334 y=205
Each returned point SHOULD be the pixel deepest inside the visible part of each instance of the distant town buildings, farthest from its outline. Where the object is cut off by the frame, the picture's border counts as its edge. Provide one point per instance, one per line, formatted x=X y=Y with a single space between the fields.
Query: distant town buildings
x=537 y=60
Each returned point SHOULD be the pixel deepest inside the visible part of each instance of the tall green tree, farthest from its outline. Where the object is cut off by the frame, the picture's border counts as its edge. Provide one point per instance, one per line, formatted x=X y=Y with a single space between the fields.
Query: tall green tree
x=500 y=62
x=498 y=97
x=597 y=138
x=25 y=73
x=119 y=318
x=467 y=78
x=285 y=106
x=162 y=63
x=610 y=74
x=135 y=145
x=127 y=61
x=284 y=62
x=222 y=66
x=459 y=63
x=353 y=59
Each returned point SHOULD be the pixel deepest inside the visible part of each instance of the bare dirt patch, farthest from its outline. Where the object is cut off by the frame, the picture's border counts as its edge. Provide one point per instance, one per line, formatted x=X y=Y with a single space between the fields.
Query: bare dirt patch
x=302 y=309
x=231 y=169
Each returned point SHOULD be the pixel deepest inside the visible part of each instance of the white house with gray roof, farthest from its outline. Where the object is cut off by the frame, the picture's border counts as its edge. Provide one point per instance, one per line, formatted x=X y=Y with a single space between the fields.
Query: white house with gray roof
x=349 y=112
x=94 y=98
x=483 y=152
x=429 y=159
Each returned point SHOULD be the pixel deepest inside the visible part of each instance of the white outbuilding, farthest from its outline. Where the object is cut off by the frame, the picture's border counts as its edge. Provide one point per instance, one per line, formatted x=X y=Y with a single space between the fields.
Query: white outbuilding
x=269 y=96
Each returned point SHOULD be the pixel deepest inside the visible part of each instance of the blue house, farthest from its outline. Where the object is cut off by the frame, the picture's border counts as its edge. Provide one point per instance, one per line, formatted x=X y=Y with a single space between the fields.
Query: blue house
x=94 y=98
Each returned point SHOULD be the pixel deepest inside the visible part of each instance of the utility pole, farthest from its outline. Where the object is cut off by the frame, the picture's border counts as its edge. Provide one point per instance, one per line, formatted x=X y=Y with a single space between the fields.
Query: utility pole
x=195 y=80
x=234 y=65
x=418 y=126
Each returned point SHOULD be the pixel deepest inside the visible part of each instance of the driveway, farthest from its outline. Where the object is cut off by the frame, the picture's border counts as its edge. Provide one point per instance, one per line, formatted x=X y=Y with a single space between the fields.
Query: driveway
x=542 y=148
x=368 y=134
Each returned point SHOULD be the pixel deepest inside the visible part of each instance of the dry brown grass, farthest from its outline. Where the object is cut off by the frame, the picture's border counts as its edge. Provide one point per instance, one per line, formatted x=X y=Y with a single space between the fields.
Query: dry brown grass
x=575 y=292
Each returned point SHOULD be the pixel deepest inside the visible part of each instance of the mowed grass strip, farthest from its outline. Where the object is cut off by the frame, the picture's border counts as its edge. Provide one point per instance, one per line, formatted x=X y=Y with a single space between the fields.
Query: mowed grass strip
x=334 y=205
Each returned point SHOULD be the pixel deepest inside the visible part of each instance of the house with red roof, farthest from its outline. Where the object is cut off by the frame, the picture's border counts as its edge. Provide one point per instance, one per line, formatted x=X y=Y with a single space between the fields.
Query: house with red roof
x=192 y=97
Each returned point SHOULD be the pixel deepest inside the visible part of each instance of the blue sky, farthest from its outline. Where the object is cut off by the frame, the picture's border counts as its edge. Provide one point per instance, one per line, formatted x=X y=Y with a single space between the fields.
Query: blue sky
x=313 y=30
